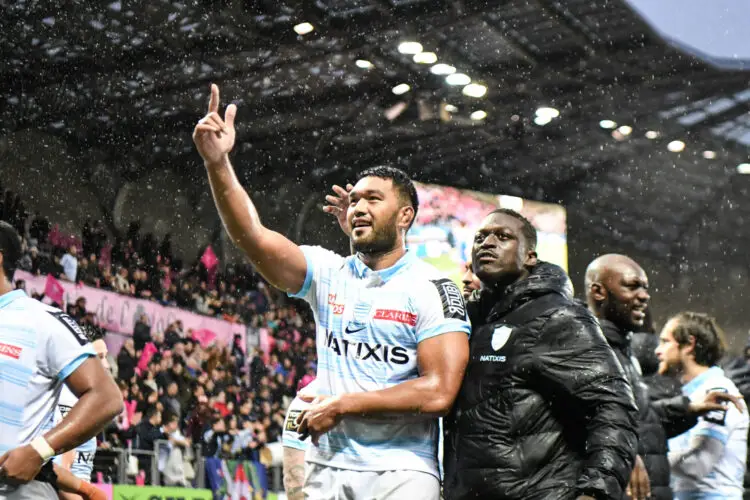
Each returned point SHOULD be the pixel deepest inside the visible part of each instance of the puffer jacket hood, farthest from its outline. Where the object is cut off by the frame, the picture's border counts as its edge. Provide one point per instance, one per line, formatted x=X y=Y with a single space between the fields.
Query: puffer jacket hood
x=545 y=278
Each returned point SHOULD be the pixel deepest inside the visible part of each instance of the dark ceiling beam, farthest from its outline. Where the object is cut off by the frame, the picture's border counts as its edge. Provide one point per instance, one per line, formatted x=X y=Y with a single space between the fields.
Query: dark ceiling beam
x=587 y=38
x=710 y=121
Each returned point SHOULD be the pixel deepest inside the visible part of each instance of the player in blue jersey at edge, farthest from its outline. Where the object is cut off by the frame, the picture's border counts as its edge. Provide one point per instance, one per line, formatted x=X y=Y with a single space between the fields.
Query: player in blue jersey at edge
x=392 y=332
x=81 y=460
x=41 y=350
x=708 y=461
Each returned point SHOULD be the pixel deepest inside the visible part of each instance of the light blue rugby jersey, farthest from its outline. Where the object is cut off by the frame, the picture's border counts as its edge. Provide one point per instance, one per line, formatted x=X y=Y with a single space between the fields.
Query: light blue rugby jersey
x=726 y=479
x=368 y=326
x=83 y=461
x=40 y=347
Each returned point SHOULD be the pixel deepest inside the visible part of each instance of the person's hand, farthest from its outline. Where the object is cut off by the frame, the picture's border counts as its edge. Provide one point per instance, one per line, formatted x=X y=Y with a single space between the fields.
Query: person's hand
x=214 y=137
x=20 y=465
x=319 y=418
x=639 y=487
x=137 y=417
x=338 y=205
x=715 y=401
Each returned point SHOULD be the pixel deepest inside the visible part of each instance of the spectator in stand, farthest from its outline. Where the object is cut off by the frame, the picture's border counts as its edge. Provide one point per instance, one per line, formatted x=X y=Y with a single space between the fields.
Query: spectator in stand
x=69 y=263
x=147 y=433
x=141 y=332
x=171 y=400
x=171 y=457
x=121 y=283
x=127 y=360
x=216 y=441
x=40 y=228
x=77 y=310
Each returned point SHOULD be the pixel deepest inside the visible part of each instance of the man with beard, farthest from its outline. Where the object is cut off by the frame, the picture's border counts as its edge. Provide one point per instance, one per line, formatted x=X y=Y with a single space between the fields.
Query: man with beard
x=545 y=411
x=392 y=333
x=617 y=294
x=708 y=461
x=470 y=281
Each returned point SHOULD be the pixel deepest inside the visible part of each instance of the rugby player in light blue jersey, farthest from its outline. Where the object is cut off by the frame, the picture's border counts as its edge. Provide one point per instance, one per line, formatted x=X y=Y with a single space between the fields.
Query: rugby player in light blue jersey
x=708 y=461
x=81 y=460
x=42 y=349
x=392 y=332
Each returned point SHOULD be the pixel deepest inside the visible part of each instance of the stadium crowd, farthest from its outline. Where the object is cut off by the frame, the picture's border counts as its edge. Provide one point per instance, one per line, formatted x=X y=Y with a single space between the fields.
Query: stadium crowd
x=228 y=402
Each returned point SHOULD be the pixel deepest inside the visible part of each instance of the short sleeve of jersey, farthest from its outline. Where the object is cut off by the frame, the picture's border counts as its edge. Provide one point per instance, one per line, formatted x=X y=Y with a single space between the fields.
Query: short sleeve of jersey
x=718 y=424
x=66 y=402
x=65 y=345
x=320 y=264
x=290 y=438
x=440 y=309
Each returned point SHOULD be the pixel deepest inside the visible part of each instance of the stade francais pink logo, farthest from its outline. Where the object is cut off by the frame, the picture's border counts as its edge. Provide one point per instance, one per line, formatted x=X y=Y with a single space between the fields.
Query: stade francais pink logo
x=398 y=316
x=11 y=351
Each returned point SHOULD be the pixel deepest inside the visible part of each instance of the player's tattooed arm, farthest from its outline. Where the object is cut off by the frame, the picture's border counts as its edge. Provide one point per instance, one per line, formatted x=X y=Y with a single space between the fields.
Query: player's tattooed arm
x=294 y=473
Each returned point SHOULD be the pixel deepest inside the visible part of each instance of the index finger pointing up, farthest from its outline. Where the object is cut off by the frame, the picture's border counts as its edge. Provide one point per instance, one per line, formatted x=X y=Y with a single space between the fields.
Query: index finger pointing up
x=213 y=103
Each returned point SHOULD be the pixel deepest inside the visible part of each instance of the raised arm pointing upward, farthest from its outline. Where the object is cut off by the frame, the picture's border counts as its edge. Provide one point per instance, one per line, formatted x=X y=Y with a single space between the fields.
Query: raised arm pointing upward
x=392 y=331
x=280 y=261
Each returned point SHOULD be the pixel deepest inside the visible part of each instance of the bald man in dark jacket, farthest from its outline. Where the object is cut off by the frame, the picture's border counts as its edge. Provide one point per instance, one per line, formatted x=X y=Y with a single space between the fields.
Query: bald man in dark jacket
x=617 y=294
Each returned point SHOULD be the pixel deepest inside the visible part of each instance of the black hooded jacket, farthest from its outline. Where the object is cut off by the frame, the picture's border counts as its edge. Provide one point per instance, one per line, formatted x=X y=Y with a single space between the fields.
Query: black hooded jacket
x=657 y=420
x=545 y=411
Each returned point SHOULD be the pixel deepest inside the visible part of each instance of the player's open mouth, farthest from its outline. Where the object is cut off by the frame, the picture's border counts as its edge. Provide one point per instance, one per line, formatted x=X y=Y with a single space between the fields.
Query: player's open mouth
x=639 y=312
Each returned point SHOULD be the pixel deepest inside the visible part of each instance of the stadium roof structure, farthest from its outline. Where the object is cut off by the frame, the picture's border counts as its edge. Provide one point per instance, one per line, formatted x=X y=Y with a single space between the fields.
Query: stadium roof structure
x=640 y=140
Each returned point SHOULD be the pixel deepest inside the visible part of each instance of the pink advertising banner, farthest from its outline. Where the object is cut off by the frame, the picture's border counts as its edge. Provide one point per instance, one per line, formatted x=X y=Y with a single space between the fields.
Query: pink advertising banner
x=118 y=313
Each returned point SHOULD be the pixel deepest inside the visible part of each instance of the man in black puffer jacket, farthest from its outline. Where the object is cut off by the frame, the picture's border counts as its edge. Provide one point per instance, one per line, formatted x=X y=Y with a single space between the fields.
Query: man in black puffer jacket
x=545 y=411
x=617 y=294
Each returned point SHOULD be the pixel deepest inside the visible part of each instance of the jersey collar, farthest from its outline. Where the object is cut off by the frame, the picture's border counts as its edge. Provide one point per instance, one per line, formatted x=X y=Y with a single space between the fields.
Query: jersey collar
x=361 y=270
x=697 y=381
x=10 y=297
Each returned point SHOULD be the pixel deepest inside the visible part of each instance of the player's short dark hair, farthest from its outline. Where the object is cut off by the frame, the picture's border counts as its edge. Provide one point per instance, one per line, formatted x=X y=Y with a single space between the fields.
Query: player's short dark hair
x=401 y=181
x=528 y=230
x=93 y=332
x=710 y=342
x=151 y=411
x=10 y=247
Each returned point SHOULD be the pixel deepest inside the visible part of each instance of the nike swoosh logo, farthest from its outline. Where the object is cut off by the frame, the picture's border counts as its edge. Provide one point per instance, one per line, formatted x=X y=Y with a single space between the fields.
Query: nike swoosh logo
x=354 y=330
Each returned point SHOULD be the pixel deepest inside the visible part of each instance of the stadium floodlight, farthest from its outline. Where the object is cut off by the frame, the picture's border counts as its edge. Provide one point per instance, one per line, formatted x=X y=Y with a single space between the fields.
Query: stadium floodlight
x=450 y=108
x=425 y=58
x=709 y=155
x=542 y=120
x=676 y=146
x=547 y=112
x=609 y=124
x=410 y=47
x=304 y=28
x=652 y=134
x=625 y=129
x=401 y=88
x=475 y=90
x=743 y=168
x=457 y=79
x=363 y=63
x=442 y=69
x=478 y=115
